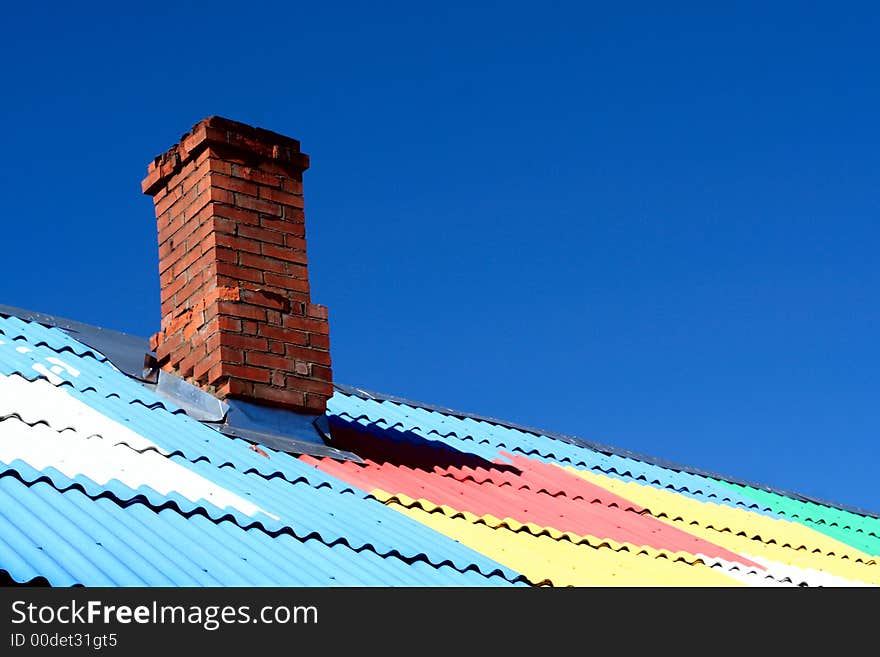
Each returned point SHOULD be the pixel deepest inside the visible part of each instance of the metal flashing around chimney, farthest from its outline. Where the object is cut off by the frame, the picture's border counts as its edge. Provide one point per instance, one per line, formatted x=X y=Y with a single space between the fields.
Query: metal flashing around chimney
x=275 y=428
x=195 y=402
x=282 y=430
x=126 y=352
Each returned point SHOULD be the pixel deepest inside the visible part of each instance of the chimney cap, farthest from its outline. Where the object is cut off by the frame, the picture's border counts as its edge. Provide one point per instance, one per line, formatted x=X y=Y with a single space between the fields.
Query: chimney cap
x=248 y=142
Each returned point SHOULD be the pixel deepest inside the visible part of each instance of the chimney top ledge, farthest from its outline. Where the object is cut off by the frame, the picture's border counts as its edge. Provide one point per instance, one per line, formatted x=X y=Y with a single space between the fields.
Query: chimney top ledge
x=220 y=132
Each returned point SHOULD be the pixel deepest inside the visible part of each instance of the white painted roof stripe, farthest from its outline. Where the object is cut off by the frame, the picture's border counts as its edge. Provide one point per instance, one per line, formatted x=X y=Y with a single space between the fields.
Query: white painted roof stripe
x=40 y=401
x=103 y=459
x=808 y=576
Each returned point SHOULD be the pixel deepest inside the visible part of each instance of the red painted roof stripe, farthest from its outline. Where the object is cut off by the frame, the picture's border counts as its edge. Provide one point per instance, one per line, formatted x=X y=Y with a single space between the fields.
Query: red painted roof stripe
x=509 y=495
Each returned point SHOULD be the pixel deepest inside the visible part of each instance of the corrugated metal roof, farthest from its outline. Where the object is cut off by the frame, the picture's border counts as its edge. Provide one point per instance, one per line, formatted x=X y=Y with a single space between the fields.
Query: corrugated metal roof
x=743 y=532
x=103 y=482
x=76 y=430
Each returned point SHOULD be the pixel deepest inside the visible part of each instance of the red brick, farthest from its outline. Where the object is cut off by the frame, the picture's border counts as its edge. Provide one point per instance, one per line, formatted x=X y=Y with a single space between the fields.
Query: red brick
x=317 y=311
x=249 y=327
x=292 y=186
x=261 y=262
x=266 y=299
x=229 y=354
x=174 y=287
x=229 y=324
x=276 y=347
x=222 y=254
x=310 y=385
x=301 y=368
x=317 y=403
x=201 y=369
x=261 y=234
x=280 y=196
x=215 y=374
x=235 y=184
x=237 y=215
x=166 y=276
x=238 y=243
x=322 y=373
x=283 y=335
x=292 y=214
x=193 y=175
x=190 y=330
x=210 y=313
x=241 y=310
x=293 y=230
x=254 y=175
x=187 y=364
x=308 y=355
x=319 y=341
x=170 y=198
x=257 y=205
x=167 y=227
x=236 y=388
x=237 y=273
x=204 y=238
x=169 y=344
x=247 y=373
x=244 y=342
x=286 y=282
x=213 y=342
x=193 y=286
x=276 y=167
x=285 y=253
x=165 y=249
x=279 y=379
x=295 y=242
x=187 y=259
x=278 y=224
x=217 y=165
x=286 y=397
x=307 y=324
x=271 y=361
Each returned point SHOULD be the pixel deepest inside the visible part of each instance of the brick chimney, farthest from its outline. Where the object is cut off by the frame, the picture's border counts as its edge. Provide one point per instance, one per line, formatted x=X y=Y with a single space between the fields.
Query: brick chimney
x=237 y=318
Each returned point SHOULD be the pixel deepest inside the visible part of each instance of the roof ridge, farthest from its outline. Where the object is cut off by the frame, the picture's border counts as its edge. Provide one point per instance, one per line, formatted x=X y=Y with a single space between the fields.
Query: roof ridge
x=599 y=447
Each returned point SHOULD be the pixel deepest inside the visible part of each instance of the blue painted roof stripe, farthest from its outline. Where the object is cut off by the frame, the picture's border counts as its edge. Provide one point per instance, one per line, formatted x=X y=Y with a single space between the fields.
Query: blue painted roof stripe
x=30 y=515
x=334 y=516
x=55 y=338
x=84 y=536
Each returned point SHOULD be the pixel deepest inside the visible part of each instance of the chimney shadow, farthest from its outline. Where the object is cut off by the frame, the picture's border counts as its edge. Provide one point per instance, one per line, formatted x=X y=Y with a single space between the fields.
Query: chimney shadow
x=405 y=448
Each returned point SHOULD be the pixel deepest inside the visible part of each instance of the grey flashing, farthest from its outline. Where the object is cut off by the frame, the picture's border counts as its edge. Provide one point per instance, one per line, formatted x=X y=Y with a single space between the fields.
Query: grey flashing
x=282 y=430
x=127 y=352
x=598 y=447
x=197 y=403
x=287 y=444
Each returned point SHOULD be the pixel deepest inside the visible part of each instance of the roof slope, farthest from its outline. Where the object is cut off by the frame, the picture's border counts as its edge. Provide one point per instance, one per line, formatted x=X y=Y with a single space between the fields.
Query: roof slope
x=102 y=482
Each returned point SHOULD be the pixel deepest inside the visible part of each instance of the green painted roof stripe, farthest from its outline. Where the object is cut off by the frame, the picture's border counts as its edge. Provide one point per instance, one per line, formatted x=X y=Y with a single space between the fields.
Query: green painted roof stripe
x=860 y=532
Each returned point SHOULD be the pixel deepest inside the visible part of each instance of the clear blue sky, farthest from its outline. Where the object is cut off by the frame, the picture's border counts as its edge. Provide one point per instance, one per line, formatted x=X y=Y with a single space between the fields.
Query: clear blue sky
x=654 y=227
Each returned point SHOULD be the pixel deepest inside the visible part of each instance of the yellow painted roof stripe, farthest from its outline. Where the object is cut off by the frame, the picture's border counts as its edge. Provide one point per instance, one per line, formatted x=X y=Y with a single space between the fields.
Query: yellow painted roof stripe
x=545 y=560
x=745 y=532
x=532 y=528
